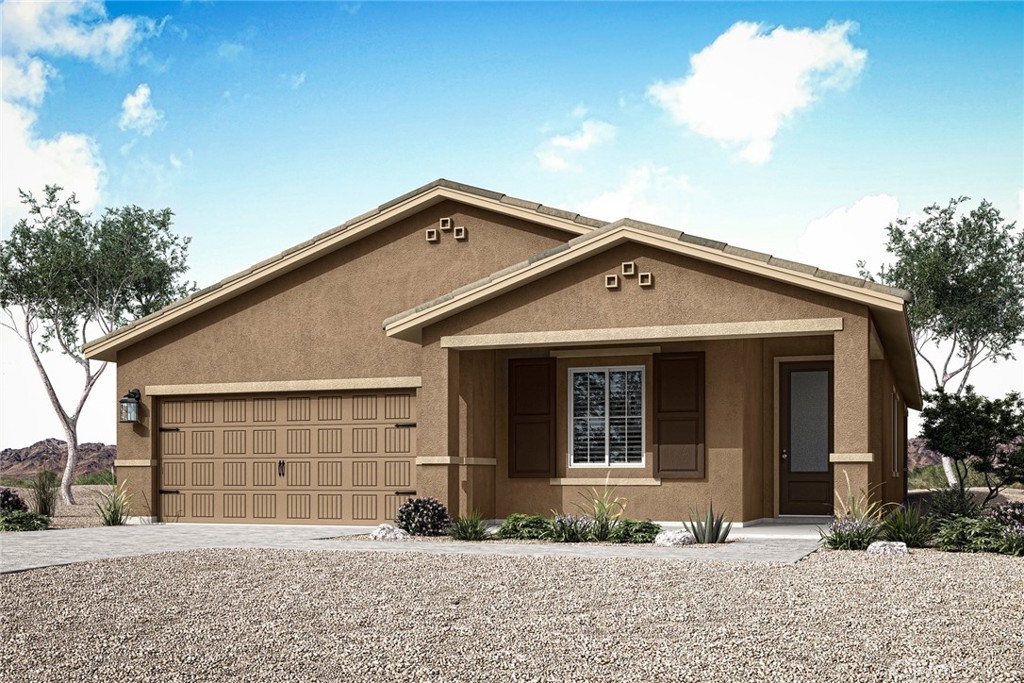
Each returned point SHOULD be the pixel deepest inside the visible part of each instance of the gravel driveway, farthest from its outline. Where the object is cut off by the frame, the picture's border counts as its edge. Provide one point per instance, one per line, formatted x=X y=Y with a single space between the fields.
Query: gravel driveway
x=284 y=615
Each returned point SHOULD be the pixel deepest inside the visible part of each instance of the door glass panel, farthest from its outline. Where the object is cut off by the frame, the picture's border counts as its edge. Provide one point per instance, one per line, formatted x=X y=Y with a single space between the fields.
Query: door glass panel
x=808 y=421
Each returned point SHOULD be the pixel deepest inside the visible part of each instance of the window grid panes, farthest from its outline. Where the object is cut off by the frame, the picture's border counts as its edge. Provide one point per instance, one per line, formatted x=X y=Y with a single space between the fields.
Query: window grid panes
x=607 y=416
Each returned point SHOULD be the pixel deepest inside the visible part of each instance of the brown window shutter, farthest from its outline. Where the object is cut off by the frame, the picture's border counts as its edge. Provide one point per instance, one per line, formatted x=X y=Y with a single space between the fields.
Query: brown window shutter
x=679 y=451
x=531 y=417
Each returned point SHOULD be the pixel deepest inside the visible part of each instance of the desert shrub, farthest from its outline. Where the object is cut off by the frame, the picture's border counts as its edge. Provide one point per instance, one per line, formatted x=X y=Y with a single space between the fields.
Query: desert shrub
x=952 y=502
x=1012 y=541
x=524 y=527
x=909 y=525
x=934 y=477
x=23 y=520
x=634 y=531
x=1008 y=514
x=850 y=533
x=10 y=501
x=113 y=506
x=44 y=493
x=571 y=528
x=423 y=517
x=469 y=527
x=711 y=528
x=103 y=477
x=969 y=535
x=604 y=510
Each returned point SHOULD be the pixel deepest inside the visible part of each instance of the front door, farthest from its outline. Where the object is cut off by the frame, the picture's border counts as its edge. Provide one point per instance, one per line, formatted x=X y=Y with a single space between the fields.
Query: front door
x=805 y=438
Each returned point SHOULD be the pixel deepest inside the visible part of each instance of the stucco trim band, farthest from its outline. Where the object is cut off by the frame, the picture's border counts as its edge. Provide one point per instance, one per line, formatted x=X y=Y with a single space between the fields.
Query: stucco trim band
x=851 y=457
x=600 y=353
x=285 y=385
x=446 y=460
x=663 y=333
x=135 y=463
x=598 y=481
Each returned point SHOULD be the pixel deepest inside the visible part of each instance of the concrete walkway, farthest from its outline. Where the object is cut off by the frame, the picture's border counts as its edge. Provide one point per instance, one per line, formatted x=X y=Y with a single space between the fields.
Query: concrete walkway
x=37 y=549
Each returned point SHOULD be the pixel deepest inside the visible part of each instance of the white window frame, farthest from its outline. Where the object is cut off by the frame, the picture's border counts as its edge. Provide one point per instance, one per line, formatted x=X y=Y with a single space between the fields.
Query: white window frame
x=643 y=418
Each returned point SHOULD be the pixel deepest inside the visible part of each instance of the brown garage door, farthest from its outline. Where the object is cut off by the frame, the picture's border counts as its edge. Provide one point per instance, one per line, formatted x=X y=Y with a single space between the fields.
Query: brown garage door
x=323 y=458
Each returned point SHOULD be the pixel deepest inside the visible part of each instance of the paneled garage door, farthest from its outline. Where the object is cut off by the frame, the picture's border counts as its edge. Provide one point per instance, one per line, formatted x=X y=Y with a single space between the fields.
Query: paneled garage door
x=330 y=458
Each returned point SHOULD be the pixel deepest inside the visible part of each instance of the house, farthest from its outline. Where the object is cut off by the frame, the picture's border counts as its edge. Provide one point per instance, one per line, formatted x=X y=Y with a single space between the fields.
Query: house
x=503 y=356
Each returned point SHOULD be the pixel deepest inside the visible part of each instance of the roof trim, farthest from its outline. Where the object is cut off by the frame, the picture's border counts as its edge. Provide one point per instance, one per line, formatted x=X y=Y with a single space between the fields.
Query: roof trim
x=106 y=347
x=409 y=325
x=301 y=385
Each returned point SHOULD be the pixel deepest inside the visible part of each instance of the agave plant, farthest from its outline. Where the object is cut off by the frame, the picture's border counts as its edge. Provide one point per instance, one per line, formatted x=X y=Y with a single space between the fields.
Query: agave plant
x=711 y=529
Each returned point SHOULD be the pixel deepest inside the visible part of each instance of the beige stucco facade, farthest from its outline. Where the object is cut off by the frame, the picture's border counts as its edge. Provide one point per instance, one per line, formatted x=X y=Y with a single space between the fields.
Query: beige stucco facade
x=320 y=327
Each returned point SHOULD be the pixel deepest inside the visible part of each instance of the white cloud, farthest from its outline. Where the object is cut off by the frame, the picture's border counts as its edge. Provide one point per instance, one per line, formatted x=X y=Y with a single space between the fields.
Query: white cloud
x=138 y=112
x=24 y=79
x=647 y=193
x=294 y=81
x=231 y=51
x=78 y=29
x=554 y=154
x=839 y=239
x=750 y=81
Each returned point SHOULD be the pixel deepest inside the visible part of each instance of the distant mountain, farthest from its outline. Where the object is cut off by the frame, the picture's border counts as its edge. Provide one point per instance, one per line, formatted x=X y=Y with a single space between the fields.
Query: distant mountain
x=51 y=454
x=918 y=454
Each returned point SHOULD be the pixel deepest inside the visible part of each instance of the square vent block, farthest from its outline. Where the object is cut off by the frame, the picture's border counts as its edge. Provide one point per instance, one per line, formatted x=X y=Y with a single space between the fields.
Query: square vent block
x=446 y=224
x=611 y=281
x=433 y=235
x=646 y=279
x=628 y=268
x=459 y=232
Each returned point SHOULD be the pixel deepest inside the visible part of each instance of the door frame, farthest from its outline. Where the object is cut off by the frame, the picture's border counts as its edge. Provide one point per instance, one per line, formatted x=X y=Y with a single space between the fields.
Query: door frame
x=776 y=391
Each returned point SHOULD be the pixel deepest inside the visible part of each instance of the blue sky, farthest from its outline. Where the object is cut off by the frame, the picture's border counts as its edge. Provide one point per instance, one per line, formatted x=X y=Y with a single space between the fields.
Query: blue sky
x=798 y=129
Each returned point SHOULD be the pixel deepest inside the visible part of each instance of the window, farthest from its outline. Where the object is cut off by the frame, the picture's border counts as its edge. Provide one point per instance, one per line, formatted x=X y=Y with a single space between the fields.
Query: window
x=606 y=407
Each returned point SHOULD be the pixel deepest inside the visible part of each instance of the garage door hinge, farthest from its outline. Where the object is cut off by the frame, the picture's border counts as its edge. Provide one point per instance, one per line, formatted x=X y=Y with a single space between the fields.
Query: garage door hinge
x=405 y=425
x=170 y=429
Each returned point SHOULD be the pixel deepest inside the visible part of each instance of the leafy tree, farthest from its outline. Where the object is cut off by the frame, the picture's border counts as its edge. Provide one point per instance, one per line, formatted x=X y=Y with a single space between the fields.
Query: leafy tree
x=966 y=273
x=974 y=431
x=65 y=276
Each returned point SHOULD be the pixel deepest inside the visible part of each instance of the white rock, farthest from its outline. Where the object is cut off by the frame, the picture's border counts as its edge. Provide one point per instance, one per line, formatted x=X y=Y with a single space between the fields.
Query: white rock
x=674 y=538
x=888 y=549
x=386 y=532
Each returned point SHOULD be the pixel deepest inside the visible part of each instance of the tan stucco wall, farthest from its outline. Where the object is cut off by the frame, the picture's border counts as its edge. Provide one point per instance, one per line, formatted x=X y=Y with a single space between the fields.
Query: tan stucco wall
x=324 y=321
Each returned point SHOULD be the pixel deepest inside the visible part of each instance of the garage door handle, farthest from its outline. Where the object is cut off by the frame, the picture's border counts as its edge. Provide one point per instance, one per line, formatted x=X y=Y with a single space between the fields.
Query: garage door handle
x=170 y=491
x=405 y=493
x=405 y=425
x=280 y=468
x=170 y=429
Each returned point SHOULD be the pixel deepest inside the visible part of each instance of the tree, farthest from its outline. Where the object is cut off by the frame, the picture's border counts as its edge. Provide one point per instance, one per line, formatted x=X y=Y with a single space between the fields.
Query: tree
x=984 y=434
x=65 y=276
x=966 y=273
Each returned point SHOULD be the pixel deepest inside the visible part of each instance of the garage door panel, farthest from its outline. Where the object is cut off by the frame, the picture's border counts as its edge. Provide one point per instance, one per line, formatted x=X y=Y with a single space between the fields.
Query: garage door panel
x=331 y=458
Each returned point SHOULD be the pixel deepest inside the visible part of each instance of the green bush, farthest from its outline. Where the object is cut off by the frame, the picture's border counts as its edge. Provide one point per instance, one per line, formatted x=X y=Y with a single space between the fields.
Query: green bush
x=604 y=511
x=423 y=517
x=113 y=507
x=969 y=535
x=1012 y=541
x=711 y=529
x=524 y=527
x=103 y=477
x=909 y=525
x=635 y=531
x=469 y=527
x=44 y=493
x=10 y=501
x=849 y=533
x=571 y=528
x=934 y=477
x=1008 y=514
x=23 y=520
x=952 y=502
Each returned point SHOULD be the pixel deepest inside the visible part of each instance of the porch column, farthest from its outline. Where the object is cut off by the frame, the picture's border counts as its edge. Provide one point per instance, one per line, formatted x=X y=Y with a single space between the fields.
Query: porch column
x=851 y=454
x=438 y=427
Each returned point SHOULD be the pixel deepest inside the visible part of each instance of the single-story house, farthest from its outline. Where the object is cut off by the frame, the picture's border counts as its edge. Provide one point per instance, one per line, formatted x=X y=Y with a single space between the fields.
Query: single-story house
x=504 y=356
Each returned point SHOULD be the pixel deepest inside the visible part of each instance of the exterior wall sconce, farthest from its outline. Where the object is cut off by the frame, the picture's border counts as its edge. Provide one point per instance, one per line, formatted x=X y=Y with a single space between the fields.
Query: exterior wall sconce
x=128 y=407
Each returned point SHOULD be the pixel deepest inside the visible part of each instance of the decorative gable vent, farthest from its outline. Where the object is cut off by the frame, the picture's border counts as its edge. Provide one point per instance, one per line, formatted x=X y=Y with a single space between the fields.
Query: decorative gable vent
x=646 y=279
x=433 y=235
x=459 y=232
x=611 y=281
x=628 y=268
x=446 y=224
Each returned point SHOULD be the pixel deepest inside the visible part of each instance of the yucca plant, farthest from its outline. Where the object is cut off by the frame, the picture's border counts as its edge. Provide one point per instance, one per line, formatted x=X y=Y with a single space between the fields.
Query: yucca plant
x=711 y=529
x=44 y=493
x=469 y=527
x=604 y=510
x=113 y=507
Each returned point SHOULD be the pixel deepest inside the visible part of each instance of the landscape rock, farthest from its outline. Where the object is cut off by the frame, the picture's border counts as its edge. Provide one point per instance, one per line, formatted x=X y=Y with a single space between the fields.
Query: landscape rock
x=386 y=532
x=671 y=539
x=888 y=549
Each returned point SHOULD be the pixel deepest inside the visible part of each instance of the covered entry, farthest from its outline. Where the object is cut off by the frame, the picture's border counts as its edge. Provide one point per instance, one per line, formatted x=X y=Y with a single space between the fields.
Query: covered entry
x=311 y=458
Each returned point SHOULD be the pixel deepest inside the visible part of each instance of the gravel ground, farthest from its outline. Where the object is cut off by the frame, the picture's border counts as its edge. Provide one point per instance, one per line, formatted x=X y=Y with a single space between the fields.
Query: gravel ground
x=78 y=516
x=275 y=615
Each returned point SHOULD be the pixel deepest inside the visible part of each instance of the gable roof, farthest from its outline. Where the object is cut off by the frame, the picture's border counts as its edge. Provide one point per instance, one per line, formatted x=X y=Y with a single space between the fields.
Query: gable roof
x=107 y=346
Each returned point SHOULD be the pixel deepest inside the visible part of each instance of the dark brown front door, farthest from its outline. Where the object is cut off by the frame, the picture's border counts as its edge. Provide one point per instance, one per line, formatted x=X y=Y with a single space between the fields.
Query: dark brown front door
x=805 y=438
